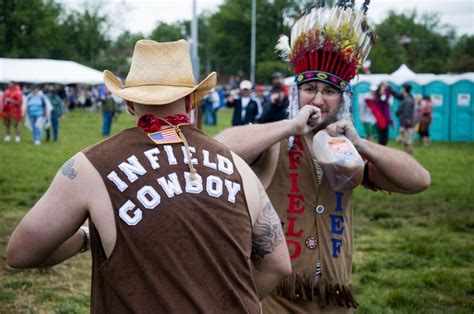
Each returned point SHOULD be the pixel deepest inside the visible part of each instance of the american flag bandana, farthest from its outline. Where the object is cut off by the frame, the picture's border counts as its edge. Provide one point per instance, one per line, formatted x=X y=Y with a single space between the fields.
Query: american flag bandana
x=166 y=136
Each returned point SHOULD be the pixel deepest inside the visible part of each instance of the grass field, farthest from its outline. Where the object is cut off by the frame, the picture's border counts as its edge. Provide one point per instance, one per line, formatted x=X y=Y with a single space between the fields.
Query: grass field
x=414 y=254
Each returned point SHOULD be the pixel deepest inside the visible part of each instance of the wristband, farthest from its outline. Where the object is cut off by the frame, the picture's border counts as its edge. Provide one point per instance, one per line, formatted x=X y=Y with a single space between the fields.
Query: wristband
x=366 y=180
x=85 y=244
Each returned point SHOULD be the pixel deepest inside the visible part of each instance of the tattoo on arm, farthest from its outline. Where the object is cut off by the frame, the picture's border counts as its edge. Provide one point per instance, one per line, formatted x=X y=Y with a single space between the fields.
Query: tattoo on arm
x=68 y=171
x=267 y=234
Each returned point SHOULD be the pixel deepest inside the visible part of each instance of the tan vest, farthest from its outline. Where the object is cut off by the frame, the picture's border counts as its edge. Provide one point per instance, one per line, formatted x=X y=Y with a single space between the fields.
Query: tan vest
x=182 y=246
x=318 y=228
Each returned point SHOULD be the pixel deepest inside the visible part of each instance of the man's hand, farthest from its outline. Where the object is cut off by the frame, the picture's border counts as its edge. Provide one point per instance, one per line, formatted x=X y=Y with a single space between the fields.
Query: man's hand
x=346 y=128
x=307 y=120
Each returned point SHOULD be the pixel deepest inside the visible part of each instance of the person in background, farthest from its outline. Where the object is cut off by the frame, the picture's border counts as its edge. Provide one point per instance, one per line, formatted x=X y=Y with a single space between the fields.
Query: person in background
x=210 y=105
x=38 y=109
x=276 y=108
x=177 y=222
x=57 y=112
x=382 y=103
x=119 y=107
x=72 y=97
x=425 y=116
x=11 y=111
x=261 y=94
x=245 y=108
x=406 y=116
x=108 y=112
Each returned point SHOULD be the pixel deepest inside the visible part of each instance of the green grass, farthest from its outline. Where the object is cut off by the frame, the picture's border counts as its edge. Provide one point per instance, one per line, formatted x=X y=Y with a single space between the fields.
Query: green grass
x=414 y=254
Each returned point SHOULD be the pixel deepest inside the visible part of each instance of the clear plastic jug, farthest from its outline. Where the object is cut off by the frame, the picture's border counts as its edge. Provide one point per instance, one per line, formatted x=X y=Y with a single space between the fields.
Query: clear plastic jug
x=341 y=163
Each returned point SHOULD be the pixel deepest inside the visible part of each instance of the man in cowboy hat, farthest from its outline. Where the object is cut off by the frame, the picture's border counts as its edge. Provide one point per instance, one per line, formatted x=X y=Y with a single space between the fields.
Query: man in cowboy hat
x=178 y=223
x=317 y=218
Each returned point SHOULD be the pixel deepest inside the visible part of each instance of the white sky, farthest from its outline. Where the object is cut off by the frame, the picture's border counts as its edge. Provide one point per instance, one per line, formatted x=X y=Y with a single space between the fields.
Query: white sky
x=143 y=15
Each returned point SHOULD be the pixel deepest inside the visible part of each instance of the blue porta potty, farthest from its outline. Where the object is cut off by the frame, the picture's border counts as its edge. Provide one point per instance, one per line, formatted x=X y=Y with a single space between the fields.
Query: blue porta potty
x=439 y=93
x=462 y=111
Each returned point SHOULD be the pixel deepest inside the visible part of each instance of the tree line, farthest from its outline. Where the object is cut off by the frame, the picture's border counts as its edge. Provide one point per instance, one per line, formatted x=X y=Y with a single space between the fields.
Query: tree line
x=47 y=29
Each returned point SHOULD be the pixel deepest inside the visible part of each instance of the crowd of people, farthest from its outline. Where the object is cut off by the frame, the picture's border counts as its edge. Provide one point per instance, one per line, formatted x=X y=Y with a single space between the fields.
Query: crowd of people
x=246 y=222
x=251 y=104
x=414 y=114
x=263 y=104
x=41 y=108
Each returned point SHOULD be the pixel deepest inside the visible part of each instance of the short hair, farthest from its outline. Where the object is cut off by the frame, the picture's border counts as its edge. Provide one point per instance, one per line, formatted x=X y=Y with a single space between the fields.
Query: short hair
x=407 y=88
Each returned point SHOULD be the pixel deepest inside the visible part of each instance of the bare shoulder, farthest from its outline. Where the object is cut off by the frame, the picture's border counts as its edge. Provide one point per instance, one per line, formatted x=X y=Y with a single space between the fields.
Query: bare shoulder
x=85 y=186
x=77 y=164
x=78 y=179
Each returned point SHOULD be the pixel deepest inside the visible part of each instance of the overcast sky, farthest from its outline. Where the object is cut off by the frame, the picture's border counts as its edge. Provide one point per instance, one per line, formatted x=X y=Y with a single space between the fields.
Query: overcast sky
x=143 y=15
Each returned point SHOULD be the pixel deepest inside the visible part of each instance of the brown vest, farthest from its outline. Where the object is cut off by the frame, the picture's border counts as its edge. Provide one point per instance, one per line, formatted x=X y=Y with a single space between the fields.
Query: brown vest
x=318 y=229
x=181 y=247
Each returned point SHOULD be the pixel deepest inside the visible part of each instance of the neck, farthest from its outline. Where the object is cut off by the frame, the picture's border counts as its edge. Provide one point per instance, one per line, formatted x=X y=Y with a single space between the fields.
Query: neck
x=160 y=111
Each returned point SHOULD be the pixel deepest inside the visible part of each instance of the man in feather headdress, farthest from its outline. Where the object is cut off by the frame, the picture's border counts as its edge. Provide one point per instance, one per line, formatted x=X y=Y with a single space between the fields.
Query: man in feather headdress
x=326 y=52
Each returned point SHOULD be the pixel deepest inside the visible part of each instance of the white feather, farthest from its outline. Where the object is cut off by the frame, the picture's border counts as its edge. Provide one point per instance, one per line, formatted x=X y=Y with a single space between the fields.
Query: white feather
x=307 y=22
x=296 y=31
x=283 y=48
x=314 y=18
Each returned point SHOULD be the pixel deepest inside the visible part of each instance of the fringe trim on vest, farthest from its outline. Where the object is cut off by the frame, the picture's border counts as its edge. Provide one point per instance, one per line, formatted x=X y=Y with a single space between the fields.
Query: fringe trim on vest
x=303 y=287
x=337 y=294
x=298 y=287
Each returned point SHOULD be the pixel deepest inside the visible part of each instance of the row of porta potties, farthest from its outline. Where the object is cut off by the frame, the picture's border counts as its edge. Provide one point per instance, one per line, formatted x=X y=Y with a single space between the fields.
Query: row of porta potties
x=452 y=96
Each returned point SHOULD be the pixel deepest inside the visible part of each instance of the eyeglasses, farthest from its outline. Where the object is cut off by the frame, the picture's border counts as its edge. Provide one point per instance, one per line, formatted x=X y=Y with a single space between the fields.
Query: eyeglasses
x=311 y=92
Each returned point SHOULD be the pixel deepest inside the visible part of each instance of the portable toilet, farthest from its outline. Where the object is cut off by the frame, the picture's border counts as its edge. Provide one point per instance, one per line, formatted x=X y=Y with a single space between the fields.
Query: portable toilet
x=361 y=92
x=439 y=93
x=462 y=111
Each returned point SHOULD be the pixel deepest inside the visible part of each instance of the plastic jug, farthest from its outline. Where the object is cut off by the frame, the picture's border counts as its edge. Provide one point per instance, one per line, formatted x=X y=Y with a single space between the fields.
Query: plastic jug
x=341 y=163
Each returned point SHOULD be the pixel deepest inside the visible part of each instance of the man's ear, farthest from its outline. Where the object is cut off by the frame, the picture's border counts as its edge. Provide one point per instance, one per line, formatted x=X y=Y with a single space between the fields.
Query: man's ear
x=130 y=107
x=188 y=103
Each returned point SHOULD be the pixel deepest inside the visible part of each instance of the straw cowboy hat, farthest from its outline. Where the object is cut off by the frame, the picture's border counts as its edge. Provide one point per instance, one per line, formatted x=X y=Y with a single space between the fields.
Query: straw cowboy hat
x=160 y=73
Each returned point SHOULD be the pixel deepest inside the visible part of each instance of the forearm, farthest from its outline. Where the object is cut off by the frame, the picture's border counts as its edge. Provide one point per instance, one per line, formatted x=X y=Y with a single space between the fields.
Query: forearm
x=250 y=141
x=393 y=170
x=20 y=256
x=68 y=249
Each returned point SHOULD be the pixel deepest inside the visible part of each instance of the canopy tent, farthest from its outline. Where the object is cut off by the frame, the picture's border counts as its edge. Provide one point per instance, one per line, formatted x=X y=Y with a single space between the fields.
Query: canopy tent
x=48 y=71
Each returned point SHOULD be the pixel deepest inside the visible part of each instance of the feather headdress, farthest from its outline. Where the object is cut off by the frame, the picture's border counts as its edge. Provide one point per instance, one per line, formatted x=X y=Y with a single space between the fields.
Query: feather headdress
x=328 y=45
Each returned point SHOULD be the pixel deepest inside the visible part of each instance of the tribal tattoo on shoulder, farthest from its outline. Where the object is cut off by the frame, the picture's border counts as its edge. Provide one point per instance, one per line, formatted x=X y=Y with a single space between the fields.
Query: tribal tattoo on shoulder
x=267 y=234
x=68 y=171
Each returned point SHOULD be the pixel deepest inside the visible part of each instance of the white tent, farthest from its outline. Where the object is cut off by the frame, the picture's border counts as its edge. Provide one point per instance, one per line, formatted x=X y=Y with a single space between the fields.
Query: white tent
x=48 y=71
x=404 y=74
x=404 y=71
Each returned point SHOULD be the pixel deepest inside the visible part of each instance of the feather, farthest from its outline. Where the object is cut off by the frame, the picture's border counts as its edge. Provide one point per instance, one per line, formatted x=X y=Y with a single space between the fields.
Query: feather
x=299 y=26
x=295 y=30
x=307 y=21
x=313 y=18
x=283 y=48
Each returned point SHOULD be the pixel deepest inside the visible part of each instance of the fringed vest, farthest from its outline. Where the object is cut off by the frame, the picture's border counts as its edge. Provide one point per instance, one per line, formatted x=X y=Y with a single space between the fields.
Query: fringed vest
x=318 y=227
